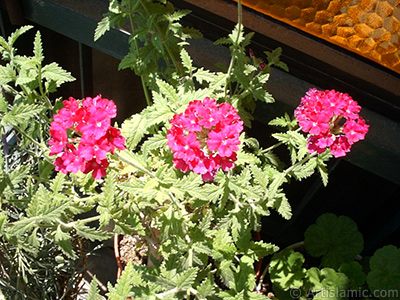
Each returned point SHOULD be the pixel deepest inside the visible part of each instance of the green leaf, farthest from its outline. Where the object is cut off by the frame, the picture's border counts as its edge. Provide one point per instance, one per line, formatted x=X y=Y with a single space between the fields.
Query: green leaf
x=91 y=233
x=7 y=74
x=63 y=240
x=262 y=249
x=202 y=75
x=245 y=278
x=133 y=129
x=286 y=269
x=168 y=91
x=334 y=238
x=206 y=288
x=124 y=285
x=384 y=277
x=186 y=60
x=327 y=284
x=185 y=280
x=282 y=205
x=102 y=27
x=16 y=34
x=54 y=72
x=354 y=272
x=38 y=48
x=3 y=103
x=94 y=292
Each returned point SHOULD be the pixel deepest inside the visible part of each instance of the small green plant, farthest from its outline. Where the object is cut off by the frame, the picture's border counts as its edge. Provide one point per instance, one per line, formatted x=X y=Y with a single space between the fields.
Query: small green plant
x=339 y=271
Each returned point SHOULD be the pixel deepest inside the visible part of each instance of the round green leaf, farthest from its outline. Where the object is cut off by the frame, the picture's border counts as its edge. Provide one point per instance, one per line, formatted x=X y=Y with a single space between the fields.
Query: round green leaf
x=286 y=269
x=334 y=238
x=384 y=277
x=354 y=272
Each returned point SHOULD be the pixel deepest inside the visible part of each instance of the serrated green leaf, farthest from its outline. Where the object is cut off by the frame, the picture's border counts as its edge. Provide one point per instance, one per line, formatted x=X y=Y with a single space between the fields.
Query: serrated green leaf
x=185 y=280
x=17 y=33
x=202 y=75
x=262 y=249
x=7 y=74
x=91 y=233
x=282 y=205
x=37 y=47
x=94 y=292
x=58 y=183
x=186 y=60
x=168 y=91
x=123 y=288
x=57 y=74
x=102 y=27
x=334 y=238
x=206 y=288
x=133 y=129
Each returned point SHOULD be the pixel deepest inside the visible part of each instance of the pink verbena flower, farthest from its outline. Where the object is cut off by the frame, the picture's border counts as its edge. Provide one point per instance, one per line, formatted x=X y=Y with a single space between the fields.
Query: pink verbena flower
x=81 y=136
x=205 y=138
x=332 y=120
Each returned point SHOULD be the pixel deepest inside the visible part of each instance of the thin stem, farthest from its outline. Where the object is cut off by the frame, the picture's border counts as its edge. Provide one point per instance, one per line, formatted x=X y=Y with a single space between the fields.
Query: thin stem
x=272 y=147
x=146 y=92
x=43 y=147
x=305 y=159
x=72 y=224
x=232 y=62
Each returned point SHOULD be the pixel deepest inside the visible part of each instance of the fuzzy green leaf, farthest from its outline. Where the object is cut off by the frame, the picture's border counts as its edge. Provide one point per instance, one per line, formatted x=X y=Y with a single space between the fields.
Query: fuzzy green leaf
x=38 y=48
x=91 y=233
x=186 y=60
x=202 y=76
x=94 y=292
x=16 y=34
x=57 y=74
x=133 y=129
x=7 y=74
x=3 y=103
x=185 y=280
x=123 y=288
x=102 y=27
x=206 y=288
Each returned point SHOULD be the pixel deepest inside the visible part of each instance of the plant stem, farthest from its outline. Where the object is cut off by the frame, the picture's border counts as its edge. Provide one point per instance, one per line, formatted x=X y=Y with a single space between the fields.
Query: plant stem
x=232 y=62
x=146 y=92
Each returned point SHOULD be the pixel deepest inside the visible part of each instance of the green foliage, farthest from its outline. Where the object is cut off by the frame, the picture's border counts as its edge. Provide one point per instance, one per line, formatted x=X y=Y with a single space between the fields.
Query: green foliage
x=286 y=269
x=157 y=38
x=294 y=277
x=334 y=238
x=384 y=277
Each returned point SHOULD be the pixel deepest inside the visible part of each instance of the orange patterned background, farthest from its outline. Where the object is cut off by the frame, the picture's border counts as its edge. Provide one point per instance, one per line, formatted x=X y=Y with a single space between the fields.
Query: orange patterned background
x=370 y=28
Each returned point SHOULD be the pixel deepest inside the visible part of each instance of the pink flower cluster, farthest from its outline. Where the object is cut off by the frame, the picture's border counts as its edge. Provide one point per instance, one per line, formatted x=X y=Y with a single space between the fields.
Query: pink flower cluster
x=81 y=135
x=332 y=120
x=205 y=137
